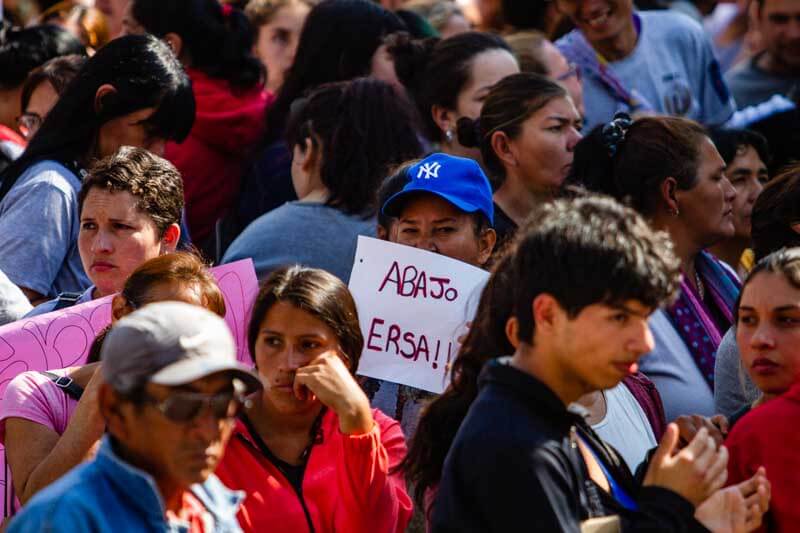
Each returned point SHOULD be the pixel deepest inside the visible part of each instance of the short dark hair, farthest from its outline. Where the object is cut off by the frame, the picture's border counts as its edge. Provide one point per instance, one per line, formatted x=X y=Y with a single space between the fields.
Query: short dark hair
x=317 y=292
x=154 y=181
x=58 y=72
x=363 y=129
x=653 y=149
x=434 y=71
x=730 y=141
x=565 y=239
x=22 y=50
x=774 y=212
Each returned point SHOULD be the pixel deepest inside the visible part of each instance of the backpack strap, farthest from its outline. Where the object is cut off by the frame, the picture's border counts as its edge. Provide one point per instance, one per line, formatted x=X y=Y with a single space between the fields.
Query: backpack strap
x=67 y=384
x=67 y=299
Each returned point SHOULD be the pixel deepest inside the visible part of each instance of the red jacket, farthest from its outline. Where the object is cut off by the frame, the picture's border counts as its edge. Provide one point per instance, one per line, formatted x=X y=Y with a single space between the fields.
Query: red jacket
x=346 y=486
x=768 y=436
x=227 y=126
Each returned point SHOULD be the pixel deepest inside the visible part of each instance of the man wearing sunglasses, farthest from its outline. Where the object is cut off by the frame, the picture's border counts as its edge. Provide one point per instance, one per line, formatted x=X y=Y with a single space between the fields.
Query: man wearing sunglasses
x=172 y=389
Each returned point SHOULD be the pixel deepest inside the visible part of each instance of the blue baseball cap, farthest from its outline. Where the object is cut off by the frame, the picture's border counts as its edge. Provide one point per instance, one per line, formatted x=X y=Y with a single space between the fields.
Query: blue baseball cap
x=458 y=180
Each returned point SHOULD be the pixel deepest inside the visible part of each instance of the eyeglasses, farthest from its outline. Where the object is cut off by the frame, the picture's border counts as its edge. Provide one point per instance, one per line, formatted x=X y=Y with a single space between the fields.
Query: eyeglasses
x=29 y=123
x=185 y=407
x=572 y=70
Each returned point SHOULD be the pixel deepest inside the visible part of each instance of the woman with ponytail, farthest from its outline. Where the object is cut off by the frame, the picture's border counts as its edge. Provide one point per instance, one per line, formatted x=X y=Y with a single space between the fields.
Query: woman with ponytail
x=214 y=42
x=449 y=79
x=527 y=131
x=669 y=170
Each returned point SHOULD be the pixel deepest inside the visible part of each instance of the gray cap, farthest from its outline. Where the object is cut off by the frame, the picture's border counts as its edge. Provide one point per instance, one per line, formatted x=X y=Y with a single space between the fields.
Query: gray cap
x=170 y=343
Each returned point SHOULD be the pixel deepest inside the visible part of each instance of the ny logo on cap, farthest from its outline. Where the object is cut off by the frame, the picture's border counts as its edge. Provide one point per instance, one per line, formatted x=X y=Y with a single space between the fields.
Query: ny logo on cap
x=429 y=170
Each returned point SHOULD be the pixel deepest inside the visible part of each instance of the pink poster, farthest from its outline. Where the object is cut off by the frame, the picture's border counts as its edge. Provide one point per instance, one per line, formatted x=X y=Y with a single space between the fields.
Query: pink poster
x=62 y=338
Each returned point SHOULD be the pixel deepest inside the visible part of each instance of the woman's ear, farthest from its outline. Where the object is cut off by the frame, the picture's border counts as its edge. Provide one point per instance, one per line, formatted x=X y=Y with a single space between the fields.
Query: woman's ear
x=504 y=149
x=310 y=156
x=669 y=195
x=170 y=239
x=486 y=243
x=119 y=307
x=795 y=227
x=445 y=119
x=100 y=97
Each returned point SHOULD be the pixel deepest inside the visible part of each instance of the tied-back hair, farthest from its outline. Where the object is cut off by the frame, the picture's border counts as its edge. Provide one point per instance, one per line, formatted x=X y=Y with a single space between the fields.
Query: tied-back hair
x=318 y=293
x=651 y=150
x=784 y=261
x=337 y=43
x=510 y=102
x=143 y=72
x=776 y=209
x=218 y=38
x=440 y=420
x=176 y=268
x=435 y=71
x=362 y=130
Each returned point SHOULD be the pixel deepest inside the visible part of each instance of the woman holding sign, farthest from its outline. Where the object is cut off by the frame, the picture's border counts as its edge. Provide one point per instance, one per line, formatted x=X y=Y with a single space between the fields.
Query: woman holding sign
x=309 y=451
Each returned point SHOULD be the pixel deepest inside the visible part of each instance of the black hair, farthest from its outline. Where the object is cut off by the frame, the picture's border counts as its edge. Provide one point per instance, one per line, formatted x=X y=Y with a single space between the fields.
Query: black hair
x=730 y=141
x=392 y=185
x=507 y=106
x=317 y=292
x=58 y=72
x=337 y=43
x=777 y=208
x=566 y=238
x=633 y=166
x=435 y=71
x=22 y=50
x=441 y=419
x=362 y=129
x=144 y=72
x=218 y=38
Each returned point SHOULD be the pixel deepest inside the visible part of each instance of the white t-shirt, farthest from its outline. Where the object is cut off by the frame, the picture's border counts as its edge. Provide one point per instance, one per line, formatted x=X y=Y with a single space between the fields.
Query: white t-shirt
x=626 y=426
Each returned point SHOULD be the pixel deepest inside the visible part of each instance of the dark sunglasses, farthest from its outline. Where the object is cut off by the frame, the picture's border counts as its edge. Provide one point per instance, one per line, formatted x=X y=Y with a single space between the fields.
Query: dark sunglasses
x=185 y=407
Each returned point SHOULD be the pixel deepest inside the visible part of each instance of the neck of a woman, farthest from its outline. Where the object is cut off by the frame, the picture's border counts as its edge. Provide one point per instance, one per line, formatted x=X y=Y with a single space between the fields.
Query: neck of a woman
x=318 y=195
x=687 y=246
x=516 y=200
x=270 y=421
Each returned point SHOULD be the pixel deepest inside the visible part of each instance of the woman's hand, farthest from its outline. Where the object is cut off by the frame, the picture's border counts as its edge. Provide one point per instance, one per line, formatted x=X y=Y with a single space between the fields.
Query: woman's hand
x=328 y=378
x=689 y=425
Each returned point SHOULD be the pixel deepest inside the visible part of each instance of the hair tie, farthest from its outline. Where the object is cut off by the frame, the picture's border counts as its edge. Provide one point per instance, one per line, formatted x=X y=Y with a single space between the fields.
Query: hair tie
x=615 y=131
x=227 y=9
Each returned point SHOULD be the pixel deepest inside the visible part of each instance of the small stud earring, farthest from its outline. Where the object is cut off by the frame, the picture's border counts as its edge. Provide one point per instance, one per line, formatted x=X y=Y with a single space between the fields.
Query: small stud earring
x=448 y=135
x=675 y=212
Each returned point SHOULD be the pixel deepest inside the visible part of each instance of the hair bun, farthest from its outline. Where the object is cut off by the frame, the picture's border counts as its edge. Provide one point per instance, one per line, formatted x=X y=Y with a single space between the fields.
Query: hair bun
x=468 y=132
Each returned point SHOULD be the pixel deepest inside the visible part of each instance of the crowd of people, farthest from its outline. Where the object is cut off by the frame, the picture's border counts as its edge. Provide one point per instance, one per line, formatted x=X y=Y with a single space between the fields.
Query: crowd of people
x=623 y=170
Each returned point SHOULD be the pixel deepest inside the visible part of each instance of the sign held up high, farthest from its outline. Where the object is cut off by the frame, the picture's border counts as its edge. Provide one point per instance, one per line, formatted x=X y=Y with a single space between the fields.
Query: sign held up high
x=413 y=305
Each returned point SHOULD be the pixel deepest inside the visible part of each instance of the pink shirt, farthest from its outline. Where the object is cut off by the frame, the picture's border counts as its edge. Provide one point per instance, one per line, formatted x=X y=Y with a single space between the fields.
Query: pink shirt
x=35 y=397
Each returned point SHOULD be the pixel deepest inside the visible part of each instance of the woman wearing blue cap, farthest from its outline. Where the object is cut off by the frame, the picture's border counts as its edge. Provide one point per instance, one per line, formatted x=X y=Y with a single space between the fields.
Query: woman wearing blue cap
x=445 y=207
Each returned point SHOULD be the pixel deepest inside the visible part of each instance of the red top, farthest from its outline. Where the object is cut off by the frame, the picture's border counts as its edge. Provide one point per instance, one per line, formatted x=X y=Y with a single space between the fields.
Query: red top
x=226 y=128
x=346 y=485
x=768 y=436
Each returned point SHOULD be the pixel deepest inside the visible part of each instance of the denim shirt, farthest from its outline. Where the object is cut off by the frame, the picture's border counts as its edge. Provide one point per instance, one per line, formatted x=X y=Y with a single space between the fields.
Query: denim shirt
x=108 y=494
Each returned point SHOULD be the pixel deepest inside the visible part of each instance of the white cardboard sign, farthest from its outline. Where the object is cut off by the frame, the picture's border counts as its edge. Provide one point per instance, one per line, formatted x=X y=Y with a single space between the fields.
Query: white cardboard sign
x=413 y=305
